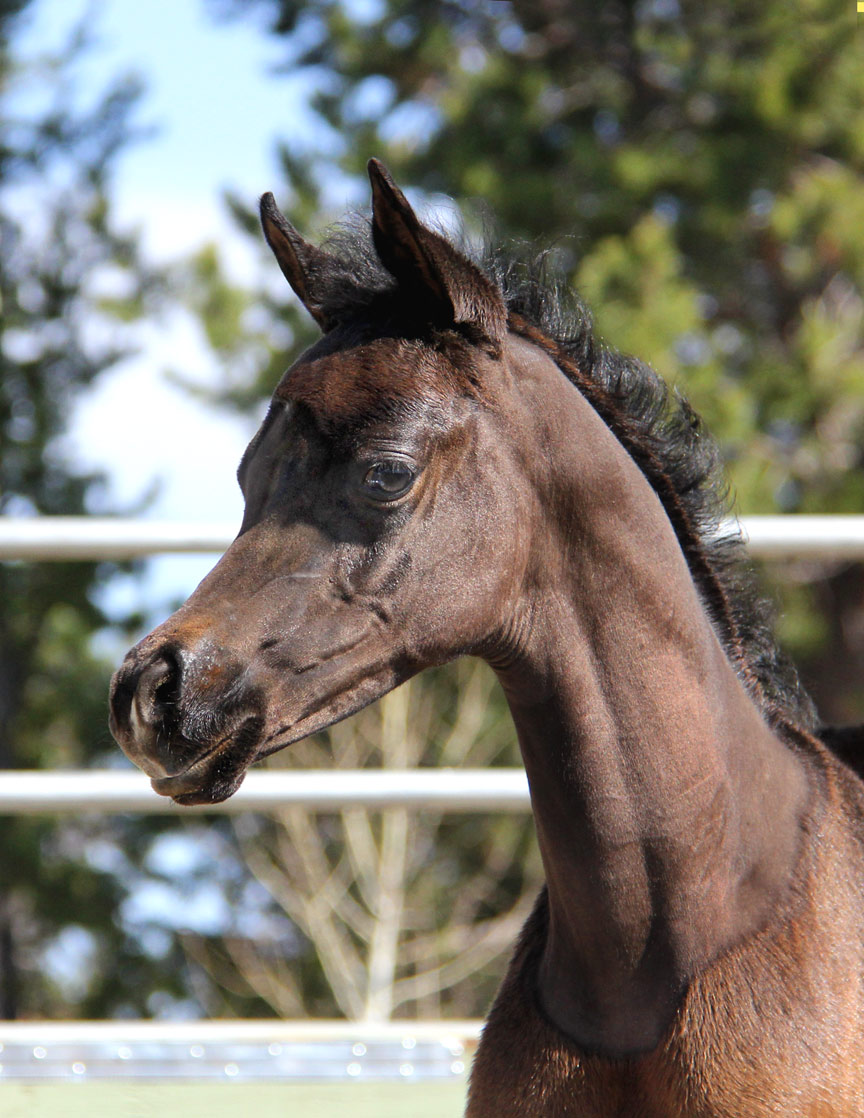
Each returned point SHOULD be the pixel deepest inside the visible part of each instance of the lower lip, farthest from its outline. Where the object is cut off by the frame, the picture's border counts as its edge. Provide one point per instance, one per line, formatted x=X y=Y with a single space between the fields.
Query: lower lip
x=174 y=786
x=193 y=779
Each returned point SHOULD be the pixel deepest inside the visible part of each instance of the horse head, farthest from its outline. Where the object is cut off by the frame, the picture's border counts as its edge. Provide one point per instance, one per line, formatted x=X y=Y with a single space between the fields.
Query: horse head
x=376 y=489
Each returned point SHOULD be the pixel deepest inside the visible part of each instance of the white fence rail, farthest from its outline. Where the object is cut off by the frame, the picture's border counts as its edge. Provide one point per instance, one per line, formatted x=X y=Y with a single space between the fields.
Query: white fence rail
x=250 y=1030
x=47 y=538
x=804 y=537
x=408 y=1051
x=435 y=790
x=94 y=538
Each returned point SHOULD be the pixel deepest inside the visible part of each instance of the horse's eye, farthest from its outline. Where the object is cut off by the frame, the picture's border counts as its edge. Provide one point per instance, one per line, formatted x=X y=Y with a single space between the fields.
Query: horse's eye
x=387 y=480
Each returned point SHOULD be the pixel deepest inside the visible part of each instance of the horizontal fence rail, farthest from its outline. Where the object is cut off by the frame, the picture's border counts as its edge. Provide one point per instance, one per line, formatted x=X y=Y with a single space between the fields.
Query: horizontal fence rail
x=47 y=538
x=93 y=538
x=408 y=1051
x=804 y=537
x=435 y=790
x=251 y=1031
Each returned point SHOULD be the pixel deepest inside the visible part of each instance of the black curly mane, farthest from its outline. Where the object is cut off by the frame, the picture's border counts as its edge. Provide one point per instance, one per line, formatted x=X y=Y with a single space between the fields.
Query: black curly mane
x=655 y=425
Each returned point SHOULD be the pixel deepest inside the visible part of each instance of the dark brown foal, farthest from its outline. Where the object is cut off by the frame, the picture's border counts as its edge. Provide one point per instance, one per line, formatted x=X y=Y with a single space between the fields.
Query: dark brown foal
x=443 y=474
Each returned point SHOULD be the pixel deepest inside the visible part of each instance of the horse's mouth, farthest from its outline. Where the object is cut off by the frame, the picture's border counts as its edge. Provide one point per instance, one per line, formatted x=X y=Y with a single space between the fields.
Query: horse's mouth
x=217 y=774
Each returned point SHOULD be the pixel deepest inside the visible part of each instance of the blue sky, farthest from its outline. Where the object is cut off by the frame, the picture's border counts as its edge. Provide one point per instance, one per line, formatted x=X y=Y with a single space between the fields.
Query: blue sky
x=209 y=96
x=215 y=111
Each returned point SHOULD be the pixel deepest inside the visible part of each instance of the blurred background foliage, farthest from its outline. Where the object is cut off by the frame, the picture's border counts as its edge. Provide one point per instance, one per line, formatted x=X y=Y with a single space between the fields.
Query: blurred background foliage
x=57 y=246
x=697 y=174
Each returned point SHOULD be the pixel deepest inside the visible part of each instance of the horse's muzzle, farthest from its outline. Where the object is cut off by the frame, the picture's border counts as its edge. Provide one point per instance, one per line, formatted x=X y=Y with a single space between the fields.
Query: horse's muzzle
x=192 y=727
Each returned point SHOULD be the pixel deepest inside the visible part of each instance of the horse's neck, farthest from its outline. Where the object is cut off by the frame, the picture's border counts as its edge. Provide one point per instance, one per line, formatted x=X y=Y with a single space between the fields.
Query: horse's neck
x=667 y=812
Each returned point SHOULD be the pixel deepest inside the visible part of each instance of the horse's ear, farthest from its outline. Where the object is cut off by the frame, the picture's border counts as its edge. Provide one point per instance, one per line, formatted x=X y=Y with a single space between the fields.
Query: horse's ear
x=302 y=264
x=428 y=266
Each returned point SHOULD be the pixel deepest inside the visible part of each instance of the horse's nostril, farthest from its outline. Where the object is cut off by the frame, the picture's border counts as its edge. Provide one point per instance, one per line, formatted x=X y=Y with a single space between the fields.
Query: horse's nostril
x=158 y=690
x=145 y=710
x=145 y=701
x=166 y=694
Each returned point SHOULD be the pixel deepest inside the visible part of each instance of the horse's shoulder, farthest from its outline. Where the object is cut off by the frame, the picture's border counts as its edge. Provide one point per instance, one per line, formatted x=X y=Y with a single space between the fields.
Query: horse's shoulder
x=526 y=1067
